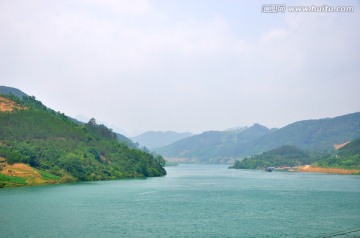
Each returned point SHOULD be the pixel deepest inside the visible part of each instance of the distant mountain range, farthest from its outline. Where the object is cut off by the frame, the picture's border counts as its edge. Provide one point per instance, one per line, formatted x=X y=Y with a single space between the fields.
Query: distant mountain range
x=224 y=146
x=312 y=135
x=213 y=146
x=155 y=139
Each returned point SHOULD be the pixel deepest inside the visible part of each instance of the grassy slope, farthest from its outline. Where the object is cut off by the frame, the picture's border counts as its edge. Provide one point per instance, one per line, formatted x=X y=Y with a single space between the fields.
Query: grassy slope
x=20 y=174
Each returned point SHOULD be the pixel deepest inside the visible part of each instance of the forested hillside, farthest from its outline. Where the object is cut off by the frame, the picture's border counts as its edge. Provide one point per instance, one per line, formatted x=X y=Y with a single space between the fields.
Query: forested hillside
x=51 y=142
x=286 y=155
x=348 y=157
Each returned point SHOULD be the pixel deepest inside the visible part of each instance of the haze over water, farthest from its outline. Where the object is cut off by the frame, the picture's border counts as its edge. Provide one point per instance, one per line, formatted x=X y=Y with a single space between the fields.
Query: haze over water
x=191 y=201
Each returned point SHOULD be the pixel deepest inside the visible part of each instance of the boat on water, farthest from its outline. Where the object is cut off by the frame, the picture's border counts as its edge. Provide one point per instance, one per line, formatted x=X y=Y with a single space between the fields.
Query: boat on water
x=269 y=169
x=281 y=169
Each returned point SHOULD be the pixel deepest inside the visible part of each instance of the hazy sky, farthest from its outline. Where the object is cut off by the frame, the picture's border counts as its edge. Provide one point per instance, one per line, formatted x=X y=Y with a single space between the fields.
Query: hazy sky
x=182 y=65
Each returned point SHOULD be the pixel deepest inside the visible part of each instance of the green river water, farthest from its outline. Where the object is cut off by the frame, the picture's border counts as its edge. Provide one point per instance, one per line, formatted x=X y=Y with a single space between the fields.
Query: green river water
x=191 y=201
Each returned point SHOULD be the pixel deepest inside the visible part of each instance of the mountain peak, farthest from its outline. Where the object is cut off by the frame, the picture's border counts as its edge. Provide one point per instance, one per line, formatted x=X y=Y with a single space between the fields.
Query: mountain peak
x=257 y=125
x=12 y=91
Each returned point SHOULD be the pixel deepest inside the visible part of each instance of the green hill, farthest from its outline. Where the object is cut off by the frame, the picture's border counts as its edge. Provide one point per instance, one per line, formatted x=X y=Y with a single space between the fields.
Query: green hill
x=348 y=157
x=286 y=155
x=58 y=146
x=8 y=91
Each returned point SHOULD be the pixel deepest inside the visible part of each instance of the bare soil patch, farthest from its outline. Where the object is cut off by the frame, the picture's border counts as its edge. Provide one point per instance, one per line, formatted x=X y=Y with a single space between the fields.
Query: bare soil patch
x=309 y=168
x=341 y=145
x=23 y=171
x=7 y=105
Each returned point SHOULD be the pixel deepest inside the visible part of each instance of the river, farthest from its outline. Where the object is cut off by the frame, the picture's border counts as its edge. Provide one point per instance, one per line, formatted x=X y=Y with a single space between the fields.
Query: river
x=191 y=201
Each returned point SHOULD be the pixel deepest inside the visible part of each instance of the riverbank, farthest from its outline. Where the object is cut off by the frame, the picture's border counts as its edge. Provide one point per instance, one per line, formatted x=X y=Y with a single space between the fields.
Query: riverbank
x=311 y=169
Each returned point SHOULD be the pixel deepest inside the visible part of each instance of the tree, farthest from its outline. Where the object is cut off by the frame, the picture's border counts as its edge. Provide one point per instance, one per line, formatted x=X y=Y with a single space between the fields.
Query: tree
x=92 y=122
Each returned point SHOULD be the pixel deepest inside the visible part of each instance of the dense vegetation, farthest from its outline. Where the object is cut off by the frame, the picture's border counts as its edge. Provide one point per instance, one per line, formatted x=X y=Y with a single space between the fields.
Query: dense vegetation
x=52 y=142
x=311 y=135
x=286 y=155
x=348 y=157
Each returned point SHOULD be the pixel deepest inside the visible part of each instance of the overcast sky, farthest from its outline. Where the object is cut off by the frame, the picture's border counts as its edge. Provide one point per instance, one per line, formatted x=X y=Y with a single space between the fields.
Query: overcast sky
x=182 y=65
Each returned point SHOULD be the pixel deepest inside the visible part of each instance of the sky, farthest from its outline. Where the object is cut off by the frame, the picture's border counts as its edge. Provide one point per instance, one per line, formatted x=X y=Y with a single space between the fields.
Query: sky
x=182 y=65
